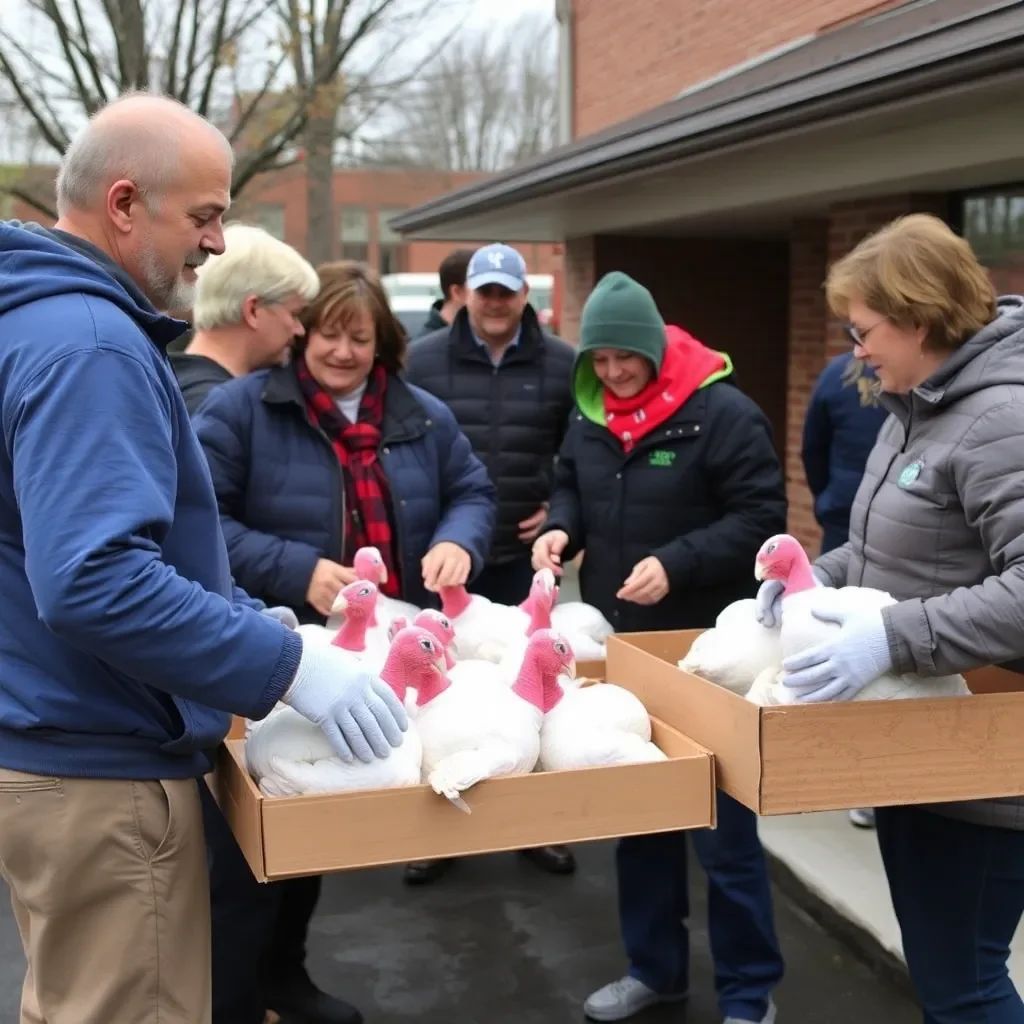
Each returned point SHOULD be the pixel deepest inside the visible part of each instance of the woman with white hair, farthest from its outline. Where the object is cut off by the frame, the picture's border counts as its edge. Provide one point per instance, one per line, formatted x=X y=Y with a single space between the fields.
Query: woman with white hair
x=246 y=311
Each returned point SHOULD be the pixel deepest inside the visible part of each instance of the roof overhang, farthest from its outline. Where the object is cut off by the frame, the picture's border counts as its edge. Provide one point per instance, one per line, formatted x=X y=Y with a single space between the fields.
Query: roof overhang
x=939 y=108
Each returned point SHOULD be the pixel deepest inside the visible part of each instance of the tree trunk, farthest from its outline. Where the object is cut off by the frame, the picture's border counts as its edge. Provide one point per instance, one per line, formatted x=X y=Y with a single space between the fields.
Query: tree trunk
x=321 y=230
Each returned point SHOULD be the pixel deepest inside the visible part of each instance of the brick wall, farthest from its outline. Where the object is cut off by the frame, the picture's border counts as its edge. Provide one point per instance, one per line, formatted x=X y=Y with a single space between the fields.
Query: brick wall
x=679 y=44
x=578 y=277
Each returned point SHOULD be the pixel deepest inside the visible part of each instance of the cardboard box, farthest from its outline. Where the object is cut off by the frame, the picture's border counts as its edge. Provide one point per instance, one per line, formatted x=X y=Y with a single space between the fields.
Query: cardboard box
x=822 y=757
x=285 y=837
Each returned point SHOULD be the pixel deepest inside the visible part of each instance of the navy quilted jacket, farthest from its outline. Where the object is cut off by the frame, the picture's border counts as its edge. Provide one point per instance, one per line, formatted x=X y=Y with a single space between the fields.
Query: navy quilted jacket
x=279 y=485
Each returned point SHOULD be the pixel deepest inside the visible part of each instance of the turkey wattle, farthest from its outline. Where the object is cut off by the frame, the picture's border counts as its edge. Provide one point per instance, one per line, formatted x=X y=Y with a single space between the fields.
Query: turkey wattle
x=288 y=755
x=783 y=558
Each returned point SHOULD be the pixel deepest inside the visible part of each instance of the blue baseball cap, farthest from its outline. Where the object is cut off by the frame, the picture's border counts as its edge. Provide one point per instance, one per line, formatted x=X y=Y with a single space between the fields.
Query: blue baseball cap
x=496 y=264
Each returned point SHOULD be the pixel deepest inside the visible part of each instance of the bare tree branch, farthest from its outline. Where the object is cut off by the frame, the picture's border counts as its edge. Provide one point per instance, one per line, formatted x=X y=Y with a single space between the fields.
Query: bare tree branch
x=484 y=105
x=30 y=200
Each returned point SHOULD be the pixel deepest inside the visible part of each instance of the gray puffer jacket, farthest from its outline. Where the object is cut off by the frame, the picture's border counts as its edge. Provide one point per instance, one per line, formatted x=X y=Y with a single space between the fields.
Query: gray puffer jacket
x=938 y=522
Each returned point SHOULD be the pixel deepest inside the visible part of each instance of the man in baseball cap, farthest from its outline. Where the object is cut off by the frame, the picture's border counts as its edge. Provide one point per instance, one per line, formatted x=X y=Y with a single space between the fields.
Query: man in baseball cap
x=508 y=383
x=497 y=264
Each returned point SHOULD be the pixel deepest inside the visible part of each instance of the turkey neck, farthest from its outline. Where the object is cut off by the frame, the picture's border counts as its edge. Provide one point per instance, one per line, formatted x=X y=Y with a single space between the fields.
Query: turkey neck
x=534 y=685
x=540 y=616
x=454 y=601
x=394 y=674
x=432 y=685
x=352 y=635
x=800 y=577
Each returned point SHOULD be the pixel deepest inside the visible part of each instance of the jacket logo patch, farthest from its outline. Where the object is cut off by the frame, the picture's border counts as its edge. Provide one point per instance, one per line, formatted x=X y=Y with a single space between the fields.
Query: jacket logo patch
x=909 y=475
x=661 y=457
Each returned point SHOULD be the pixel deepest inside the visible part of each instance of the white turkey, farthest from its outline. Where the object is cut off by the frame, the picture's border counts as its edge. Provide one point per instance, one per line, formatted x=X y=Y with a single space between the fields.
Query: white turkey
x=368 y=564
x=783 y=558
x=288 y=755
x=576 y=618
x=735 y=650
x=588 y=726
x=485 y=629
x=356 y=604
x=475 y=727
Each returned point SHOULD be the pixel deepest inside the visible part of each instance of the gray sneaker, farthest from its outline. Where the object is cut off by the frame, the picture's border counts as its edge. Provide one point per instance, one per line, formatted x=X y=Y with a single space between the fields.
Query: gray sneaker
x=768 y=1018
x=863 y=817
x=625 y=997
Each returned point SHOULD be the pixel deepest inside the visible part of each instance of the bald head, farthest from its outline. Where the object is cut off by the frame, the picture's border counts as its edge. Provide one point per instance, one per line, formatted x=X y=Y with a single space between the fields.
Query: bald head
x=141 y=138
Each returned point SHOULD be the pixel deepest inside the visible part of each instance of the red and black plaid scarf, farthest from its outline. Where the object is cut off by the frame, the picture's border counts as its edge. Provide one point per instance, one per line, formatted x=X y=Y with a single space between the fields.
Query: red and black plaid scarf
x=366 y=487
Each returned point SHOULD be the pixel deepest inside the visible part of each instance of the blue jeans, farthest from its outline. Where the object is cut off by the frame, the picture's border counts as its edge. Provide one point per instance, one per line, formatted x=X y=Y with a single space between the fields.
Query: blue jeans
x=654 y=904
x=958 y=893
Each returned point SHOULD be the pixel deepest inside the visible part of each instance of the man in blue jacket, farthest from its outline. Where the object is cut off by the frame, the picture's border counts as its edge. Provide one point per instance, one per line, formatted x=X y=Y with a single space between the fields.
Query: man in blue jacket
x=124 y=645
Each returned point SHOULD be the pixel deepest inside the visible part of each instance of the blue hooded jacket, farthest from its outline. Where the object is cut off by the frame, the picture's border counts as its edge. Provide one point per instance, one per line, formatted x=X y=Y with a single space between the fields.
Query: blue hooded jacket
x=120 y=629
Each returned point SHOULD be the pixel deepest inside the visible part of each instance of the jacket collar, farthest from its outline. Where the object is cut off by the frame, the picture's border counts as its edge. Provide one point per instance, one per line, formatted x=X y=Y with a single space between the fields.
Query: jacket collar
x=404 y=417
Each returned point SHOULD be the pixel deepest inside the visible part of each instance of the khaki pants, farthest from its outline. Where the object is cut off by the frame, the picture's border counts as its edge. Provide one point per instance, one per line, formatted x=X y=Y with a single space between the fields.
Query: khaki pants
x=111 y=895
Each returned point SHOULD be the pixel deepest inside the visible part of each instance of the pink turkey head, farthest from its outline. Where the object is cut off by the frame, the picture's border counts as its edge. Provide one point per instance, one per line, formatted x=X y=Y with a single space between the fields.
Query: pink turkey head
x=414 y=659
x=783 y=558
x=543 y=593
x=440 y=627
x=369 y=565
x=548 y=655
x=357 y=600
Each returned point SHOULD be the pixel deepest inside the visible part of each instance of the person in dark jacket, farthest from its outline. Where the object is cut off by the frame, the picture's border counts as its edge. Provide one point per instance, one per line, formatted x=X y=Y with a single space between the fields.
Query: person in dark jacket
x=668 y=479
x=245 y=316
x=314 y=460
x=452 y=275
x=842 y=423
x=508 y=383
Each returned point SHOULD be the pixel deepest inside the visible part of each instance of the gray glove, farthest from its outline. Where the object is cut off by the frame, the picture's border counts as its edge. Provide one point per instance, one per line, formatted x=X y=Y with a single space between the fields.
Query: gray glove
x=283 y=615
x=358 y=712
x=769 y=599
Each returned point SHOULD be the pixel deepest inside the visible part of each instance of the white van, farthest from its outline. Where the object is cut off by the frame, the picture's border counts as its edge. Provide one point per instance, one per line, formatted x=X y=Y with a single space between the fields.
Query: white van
x=413 y=294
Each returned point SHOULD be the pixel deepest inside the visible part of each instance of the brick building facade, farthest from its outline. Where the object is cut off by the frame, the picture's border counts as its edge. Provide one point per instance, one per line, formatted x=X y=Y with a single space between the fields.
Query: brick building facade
x=726 y=154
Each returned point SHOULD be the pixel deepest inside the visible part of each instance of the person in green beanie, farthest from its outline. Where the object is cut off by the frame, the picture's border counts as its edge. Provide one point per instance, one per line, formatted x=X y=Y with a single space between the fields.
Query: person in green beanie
x=669 y=482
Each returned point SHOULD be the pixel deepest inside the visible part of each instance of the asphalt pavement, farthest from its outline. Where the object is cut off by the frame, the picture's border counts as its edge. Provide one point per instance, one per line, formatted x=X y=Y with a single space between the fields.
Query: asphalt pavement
x=497 y=941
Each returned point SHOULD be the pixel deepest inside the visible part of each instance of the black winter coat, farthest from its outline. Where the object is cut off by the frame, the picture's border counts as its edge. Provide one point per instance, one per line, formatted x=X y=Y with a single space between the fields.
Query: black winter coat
x=514 y=414
x=702 y=493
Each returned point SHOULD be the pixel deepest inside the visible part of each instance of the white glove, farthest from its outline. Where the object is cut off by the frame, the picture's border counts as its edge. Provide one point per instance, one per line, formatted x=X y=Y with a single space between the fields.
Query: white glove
x=283 y=615
x=358 y=712
x=769 y=599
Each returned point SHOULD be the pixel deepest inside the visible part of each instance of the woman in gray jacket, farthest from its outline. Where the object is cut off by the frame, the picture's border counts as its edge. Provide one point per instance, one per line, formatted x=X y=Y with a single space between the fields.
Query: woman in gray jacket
x=938 y=522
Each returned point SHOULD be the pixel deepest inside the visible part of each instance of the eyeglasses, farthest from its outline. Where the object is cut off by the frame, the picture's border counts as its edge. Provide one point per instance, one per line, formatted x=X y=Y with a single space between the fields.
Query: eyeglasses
x=858 y=336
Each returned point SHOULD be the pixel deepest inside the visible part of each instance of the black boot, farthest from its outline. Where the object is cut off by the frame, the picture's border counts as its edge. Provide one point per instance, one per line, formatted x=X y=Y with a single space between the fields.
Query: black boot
x=421 y=872
x=558 y=860
x=296 y=1000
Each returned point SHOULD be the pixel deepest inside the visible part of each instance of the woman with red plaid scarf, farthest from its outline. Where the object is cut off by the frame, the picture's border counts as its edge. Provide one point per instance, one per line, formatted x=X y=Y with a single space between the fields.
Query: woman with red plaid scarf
x=312 y=461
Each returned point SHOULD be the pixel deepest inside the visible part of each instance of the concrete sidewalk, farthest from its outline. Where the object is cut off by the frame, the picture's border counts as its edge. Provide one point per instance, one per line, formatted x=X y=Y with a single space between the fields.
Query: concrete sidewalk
x=839 y=867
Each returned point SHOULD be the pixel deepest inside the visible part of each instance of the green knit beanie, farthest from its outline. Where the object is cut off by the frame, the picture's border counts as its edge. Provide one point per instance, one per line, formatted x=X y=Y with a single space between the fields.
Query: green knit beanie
x=620 y=313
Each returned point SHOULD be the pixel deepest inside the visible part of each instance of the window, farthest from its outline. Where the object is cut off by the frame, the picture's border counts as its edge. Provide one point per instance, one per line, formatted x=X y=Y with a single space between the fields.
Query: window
x=270 y=217
x=355 y=233
x=993 y=222
x=391 y=246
